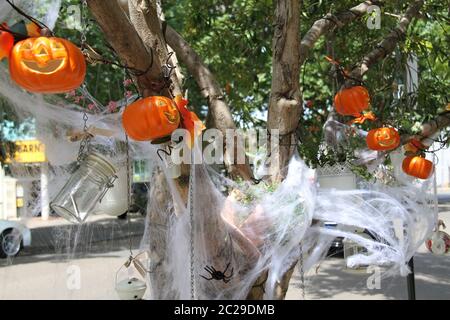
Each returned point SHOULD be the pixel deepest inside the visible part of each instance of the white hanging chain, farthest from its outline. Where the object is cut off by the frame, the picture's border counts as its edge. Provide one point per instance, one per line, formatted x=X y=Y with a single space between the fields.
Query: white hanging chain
x=192 y=225
x=302 y=274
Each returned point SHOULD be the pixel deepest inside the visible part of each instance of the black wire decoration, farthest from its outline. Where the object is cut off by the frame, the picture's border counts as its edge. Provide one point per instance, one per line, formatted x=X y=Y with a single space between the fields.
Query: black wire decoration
x=218 y=275
x=38 y=23
x=168 y=152
x=342 y=73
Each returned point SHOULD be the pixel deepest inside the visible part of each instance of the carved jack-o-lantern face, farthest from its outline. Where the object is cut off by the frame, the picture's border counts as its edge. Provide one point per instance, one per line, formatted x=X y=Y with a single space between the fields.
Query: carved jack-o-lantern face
x=168 y=108
x=47 y=65
x=43 y=55
x=383 y=139
x=152 y=118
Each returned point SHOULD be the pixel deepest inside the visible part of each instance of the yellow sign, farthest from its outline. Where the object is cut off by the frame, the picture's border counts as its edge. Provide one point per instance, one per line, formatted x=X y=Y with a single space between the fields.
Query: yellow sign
x=29 y=151
x=19 y=202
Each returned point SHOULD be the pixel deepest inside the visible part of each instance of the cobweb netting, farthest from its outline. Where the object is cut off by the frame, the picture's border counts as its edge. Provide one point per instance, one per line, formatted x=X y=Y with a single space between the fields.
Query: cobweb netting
x=250 y=234
x=46 y=11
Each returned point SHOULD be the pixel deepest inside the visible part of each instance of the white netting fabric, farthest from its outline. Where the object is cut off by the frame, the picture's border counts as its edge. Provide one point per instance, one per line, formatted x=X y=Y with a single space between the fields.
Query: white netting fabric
x=46 y=11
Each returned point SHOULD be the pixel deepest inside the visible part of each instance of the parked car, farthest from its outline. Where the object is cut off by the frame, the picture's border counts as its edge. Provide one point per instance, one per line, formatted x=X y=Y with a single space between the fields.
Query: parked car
x=13 y=237
x=139 y=196
x=139 y=199
x=336 y=249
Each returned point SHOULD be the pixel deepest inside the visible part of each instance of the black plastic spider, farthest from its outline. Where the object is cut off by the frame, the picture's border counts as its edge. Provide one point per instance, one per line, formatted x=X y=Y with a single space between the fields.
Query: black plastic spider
x=218 y=275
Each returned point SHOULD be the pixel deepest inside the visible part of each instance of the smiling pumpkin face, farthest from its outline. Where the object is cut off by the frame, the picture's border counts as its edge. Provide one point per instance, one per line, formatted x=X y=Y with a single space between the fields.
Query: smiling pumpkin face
x=383 y=139
x=151 y=119
x=47 y=65
x=44 y=55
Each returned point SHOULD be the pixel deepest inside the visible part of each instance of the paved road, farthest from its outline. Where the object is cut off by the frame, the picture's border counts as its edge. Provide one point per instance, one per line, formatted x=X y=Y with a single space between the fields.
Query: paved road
x=59 y=251
x=46 y=270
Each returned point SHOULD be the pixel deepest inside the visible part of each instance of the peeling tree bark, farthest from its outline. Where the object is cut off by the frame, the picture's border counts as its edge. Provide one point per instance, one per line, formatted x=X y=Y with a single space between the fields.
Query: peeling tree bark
x=122 y=36
x=144 y=17
x=285 y=97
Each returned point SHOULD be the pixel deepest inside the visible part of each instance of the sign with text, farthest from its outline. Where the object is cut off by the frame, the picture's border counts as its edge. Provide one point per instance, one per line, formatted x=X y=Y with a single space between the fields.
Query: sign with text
x=29 y=151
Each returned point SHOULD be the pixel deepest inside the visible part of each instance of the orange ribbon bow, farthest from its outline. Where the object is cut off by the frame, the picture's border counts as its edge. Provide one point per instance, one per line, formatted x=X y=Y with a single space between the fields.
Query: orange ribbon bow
x=362 y=118
x=189 y=119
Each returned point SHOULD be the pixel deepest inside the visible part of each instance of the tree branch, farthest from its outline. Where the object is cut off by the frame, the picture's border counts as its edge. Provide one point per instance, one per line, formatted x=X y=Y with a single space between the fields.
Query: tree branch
x=329 y=23
x=388 y=44
x=211 y=91
x=122 y=36
x=144 y=17
x=430 y=129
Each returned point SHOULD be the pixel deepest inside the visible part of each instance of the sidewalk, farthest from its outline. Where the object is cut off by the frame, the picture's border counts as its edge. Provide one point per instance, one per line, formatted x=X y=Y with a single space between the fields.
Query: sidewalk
x=335 y=281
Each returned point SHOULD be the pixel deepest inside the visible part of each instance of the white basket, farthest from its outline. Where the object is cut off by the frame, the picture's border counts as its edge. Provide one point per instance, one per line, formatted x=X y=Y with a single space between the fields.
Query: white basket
x=338 y=176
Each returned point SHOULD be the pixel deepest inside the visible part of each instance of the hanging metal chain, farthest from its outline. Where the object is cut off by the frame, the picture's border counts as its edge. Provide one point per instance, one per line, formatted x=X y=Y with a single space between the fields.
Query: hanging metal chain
x=302 y=274
x=192 y=225
x=127 y=147
x=84 y=24
x=85 y=142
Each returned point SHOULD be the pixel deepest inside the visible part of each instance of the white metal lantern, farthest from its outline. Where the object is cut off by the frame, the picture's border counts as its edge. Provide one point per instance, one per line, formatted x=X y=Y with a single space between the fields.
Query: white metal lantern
x=338 y=176
x=131 y=289
x=115 y=201
x=132 y=273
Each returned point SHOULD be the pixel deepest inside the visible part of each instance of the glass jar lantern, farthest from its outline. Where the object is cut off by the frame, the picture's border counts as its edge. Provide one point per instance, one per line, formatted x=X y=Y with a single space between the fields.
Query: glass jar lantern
x=85 y=188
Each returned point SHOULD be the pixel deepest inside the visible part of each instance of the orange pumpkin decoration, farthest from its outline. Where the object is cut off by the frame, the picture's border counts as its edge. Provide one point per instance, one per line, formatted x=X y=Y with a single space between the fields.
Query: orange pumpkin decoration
x=47 y=65
x=6 y=44
x=414 y=146
x=417 y=167
x=383 y=139
x=352 y=101
x=151 y=118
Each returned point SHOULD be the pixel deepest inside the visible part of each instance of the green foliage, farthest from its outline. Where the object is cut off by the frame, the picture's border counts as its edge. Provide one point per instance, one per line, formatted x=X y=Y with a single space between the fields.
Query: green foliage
x=234 y=38
x=104 y=81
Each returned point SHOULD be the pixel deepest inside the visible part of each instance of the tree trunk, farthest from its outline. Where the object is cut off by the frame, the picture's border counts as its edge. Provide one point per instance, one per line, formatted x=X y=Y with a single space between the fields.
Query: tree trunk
x=285 y=97
x=141 y=44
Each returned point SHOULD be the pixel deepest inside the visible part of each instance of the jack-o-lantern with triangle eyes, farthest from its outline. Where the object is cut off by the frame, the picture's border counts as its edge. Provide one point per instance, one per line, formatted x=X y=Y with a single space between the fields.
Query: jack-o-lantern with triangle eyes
x=47 y=65
x=382 y=139
x=151 y=119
